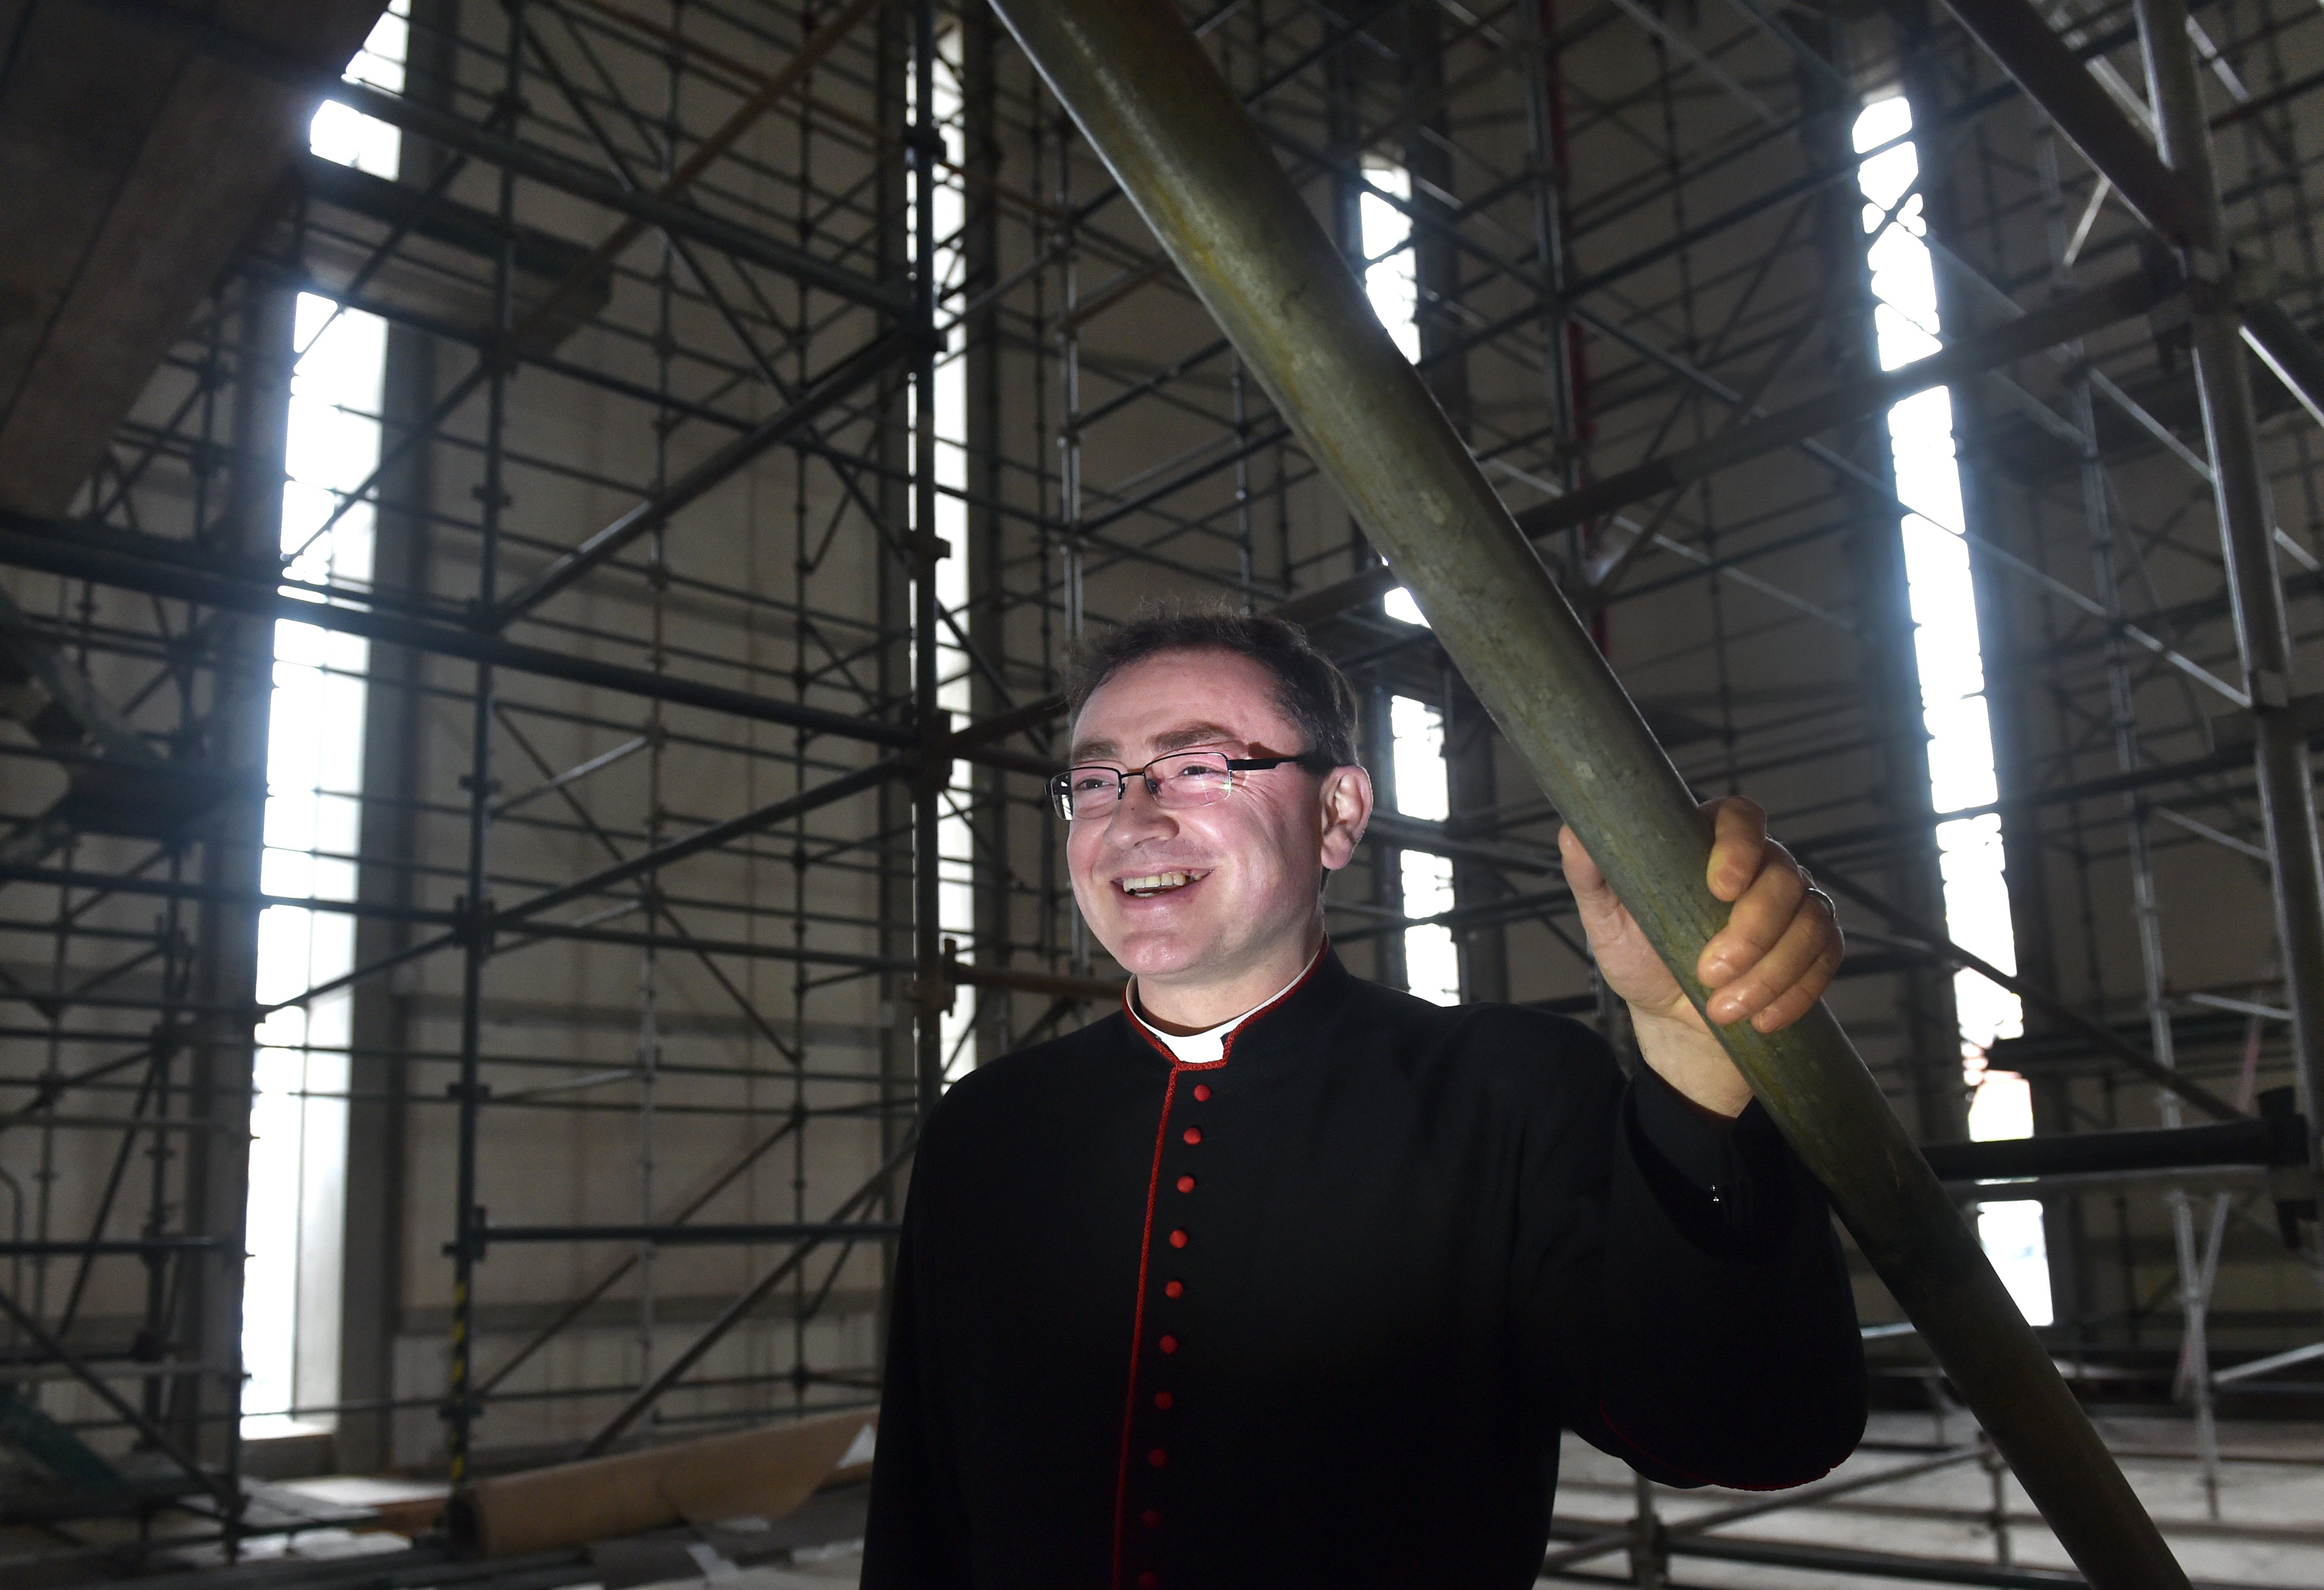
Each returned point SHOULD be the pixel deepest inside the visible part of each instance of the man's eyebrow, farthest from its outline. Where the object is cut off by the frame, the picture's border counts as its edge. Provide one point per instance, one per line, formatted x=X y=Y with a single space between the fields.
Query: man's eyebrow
x=1188 y=734
x=1169 y=740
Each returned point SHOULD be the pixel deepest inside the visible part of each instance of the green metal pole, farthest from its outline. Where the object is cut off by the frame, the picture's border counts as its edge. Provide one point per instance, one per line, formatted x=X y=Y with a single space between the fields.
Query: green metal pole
x=1157 y=111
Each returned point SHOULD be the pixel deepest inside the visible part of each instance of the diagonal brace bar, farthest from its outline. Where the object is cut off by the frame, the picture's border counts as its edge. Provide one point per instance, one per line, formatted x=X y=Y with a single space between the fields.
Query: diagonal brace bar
x=832 y=387
x=2054 y=78
x=742 y=1308
x=2289 y=352
x=2057 y=1010
x=2066 y=320
x=711 y=838
x=229 y=1499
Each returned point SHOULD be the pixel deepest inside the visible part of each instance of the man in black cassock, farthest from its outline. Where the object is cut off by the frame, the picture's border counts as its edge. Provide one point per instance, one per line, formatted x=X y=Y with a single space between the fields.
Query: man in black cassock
x=1277 y=1277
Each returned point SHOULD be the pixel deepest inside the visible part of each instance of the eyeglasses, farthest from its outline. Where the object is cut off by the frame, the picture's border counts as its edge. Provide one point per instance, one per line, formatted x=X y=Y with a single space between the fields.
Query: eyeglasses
x=1181 y=779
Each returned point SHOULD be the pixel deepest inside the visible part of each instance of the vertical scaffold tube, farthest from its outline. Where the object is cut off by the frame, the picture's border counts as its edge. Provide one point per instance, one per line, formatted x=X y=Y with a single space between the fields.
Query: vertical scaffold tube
x=2247 y=540
x=1171 y=131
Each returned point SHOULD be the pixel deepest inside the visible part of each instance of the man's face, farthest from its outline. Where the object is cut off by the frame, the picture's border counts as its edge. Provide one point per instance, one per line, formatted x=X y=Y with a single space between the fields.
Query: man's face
x=1202 y=895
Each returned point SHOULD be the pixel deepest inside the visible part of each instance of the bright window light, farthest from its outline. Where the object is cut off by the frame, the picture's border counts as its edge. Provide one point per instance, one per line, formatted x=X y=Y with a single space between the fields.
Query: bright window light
x=1951 y=663
x=2013 y=1237
x=348 y=136
x=1398 y=604
x=1390 y=280
x=295 y=1219
x=956 y=836
x=1392 y=285
x=1432 y=963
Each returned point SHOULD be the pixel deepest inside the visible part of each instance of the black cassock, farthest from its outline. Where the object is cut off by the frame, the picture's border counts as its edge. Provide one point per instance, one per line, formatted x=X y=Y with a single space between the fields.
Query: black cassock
x=1314 y=1315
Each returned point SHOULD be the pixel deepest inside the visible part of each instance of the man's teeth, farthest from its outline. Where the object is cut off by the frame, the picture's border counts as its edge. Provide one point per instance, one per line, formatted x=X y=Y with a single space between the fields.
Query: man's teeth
x=1155 y=883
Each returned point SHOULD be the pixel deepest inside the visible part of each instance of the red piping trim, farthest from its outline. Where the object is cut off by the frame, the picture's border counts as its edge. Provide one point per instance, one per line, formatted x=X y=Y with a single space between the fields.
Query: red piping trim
x=1146 y=1237
x=1137 y=1324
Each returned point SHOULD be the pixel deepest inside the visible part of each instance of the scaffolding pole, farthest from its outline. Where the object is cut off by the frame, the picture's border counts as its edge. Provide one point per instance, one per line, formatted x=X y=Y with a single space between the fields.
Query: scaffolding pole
x=2247 y=540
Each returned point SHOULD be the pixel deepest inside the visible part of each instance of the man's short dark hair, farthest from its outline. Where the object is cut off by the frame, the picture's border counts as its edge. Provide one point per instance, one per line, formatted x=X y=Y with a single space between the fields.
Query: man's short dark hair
x=1308 y=685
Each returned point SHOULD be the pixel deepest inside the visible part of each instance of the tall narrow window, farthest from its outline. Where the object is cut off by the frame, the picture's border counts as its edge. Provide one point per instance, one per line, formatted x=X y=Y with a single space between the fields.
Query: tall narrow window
x=1952 y=664
x=1391 y=280
x=1392 y=283
x=955 y=834
x=1432 y=961
x=314 y=777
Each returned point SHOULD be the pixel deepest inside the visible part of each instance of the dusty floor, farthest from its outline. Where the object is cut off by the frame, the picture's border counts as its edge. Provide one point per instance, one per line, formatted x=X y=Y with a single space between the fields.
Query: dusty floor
x=2270 y=1529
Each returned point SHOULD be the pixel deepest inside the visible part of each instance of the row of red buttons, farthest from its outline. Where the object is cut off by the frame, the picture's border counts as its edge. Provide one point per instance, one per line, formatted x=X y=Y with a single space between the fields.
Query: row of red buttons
x=1152 y=1517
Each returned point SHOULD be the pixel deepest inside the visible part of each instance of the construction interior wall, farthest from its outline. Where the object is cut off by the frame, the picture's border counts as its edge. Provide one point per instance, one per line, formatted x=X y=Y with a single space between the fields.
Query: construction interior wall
x=765 y=407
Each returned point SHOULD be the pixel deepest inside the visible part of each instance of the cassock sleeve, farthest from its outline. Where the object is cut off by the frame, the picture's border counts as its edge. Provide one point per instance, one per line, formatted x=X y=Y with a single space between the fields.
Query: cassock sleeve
x=1688 y=1305
x=1694 y=1142
x=917 y=1536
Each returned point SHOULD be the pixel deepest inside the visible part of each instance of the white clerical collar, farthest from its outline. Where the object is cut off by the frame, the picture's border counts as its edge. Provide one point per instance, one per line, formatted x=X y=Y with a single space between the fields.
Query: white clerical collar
x=1209 y=1046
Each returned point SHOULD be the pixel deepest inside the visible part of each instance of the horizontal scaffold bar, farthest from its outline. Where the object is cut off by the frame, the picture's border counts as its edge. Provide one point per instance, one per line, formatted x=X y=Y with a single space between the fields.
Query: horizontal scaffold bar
x=157 y=566
x=2272 y=1139
x=115 y=558
x=684 y=1235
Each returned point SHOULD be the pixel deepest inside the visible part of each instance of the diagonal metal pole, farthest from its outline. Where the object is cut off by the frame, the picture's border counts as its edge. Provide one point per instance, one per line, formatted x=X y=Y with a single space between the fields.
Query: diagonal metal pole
x=742 y=1308
x=2288 y=351
x=218 y=1484
x=2053 y=76
x=1155 y=108
x=579 y=1305
x=655 y=905
x=2058 y=1010
x=809 y=426
x=708 y=839
x=838 y=383
x=2062 y=320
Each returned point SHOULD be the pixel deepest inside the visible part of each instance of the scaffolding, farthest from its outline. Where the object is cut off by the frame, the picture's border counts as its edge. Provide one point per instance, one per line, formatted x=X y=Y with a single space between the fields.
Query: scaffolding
x=773 y=391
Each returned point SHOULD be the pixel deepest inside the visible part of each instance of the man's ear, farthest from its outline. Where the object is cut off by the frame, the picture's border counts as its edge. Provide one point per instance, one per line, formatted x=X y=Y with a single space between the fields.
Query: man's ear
x=1343 y=811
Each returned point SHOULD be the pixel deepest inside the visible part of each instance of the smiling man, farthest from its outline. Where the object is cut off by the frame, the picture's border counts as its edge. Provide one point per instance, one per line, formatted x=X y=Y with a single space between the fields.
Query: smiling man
x=1277 y=1277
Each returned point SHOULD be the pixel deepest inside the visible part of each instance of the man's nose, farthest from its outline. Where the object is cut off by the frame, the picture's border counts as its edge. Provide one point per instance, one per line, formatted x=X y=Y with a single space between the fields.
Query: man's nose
x=1138 y=813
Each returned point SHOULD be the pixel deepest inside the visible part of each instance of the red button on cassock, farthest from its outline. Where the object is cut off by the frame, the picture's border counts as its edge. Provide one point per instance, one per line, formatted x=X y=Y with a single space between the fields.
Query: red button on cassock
x=1185 y=1184
x=1193 y=1134
x=1173 y=1289
x=1151 y=1519
x=1202 y=1091
x=1168 y=1344
x=1157 y=1457
x=1177 y=1239
x=1162 y=1399
x=1149 y=1580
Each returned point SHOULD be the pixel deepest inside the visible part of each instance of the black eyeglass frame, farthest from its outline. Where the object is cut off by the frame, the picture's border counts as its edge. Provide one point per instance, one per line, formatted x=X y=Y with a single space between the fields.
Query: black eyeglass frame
x=1061 y=795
